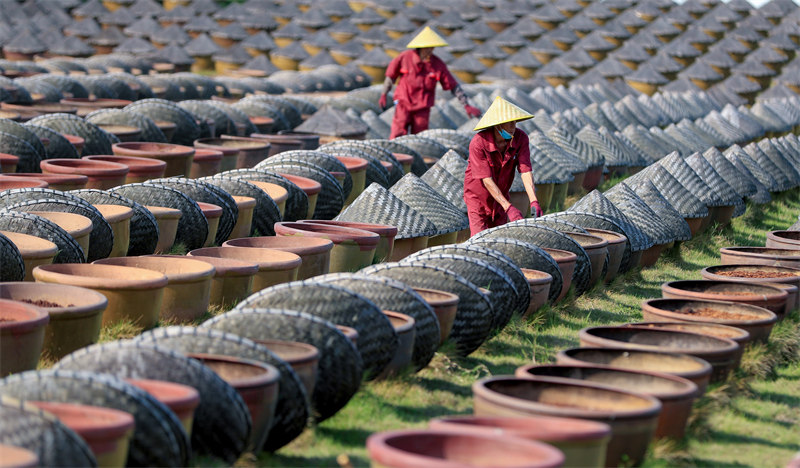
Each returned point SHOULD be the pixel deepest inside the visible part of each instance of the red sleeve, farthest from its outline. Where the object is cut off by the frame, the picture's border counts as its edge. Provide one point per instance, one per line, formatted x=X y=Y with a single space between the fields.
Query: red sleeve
x=479 y=158
x=447 y=80
x=524 y=157
x=393 y=70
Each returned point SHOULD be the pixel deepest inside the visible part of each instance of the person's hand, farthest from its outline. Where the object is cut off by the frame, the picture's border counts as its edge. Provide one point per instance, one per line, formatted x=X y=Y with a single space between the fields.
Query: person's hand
x=536 y=209
x=472 y=111
x=382 y=101
x=513 y=213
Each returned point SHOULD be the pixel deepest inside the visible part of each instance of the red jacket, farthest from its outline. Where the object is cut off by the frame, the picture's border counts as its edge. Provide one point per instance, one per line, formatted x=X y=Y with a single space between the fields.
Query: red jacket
x=417 y=86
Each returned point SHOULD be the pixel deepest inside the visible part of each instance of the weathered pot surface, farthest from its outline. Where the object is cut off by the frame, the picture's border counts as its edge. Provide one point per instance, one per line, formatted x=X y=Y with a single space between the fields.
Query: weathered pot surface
x=102 y=175
x=314 y=251
x=274 y=266
x=762 y=295
x=539 y=283
x=303 y=357
x=386 y=232
x=22 y=328
x=566 y=263
x=760 y=256
x=445 y=306
x=775 y=275
x=616 y=250
x=34 y=250
x=783 y=240
x=181 y=399
x=404 y=327
x=353 y=249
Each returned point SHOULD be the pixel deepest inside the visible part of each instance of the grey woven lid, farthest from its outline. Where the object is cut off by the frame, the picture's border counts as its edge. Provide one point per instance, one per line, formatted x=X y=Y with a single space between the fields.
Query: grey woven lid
x=400 y=23
x=259 y=41
x=199 y=23
x=202 y=45
x=418 y=166
x=632 y=52
x=446 y=185
x=171 y=34
x=726 y=194
x=266 y=212
x=426 y=147
x=595 y=202
x=86 y=27
x=640 y=214
x=755 y=174
x=724 y=127
x=143 y=225
x=547 y=170
x=612 y=154
x=314 y=18
x=330 y=199
x=741 y=183
x=468 y=63
x=376 y=173
x=378 y=205
x=473 y=321
x=291 y=30
x=684 y=201
x=551 y=150
x=453 y=163
x=374 y=58
x=415 y=193
x=681 y=171
x=772 y=160
x=333 y=122
x=667 y=214
x=313 y=159
x=12 y=266
x=577 y=147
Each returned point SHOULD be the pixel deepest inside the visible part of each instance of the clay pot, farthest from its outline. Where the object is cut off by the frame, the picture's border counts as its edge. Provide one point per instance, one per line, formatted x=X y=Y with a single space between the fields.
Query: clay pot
x=244 y=219
x=357 y=167
x=178 y=157
x=35 y=251
x=76 y=314
x=206 y=162
x=760 y=256
x=386 y=232
x=230 y=155
x=212 y=213
x=167 y=128
x=22 y=329
x=761 y=295
x=303 y=357
x=78 y=226
x=650 y=256
x=783 y=240
x=278 y=143
x=8 y=183
x=597 y=249
x=405 y=246
x=311 y=188
x=125 y=133
x=63 y=182
x=539 y=283
x=405 y=160
x=441 y=449
x=404 y=327
x=774 y=275
x=353 y=249
x=75 y=140
x=592 y=178
x=257 y=384
x=17 y=457
x=757 y=321
x=86 y=106
x=188 y=290
x=695 y=225
x=566 y=263
x=274 y=266
x=583 y=442
x=676 y=394
x=616 y=249
x=8 y=163
x=350 y=332
x=315 y=252
x=310 y=141
x=632 y=417
x=721 y=353
x=106 y=431
x=682 y=365
x=119 y=218
x=445 y=306
x=250 y=151
x=139 y=169
x=167 y=220
x=232 y=282
x=181 y=399
x=277 y=193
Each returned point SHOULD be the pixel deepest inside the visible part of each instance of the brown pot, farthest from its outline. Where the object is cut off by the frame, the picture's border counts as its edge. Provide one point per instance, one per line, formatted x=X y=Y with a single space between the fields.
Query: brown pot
x=86 y=106
x=125 y=133
x=783 y=240
x=75 y=140
x=761 y=295
x=76 y=314
x=206 y=162
x=583 y=442
x=386 y=232
x=250 y=151
x=232 y=282
x=277 y=193
x=450 y=449
x=404 y=327
x=257 y=384
x=177 y=157
x=694 y=225
x=35 y=251
x=274 y=266
x=303 y=357
x=738 y=335
x=63 y=182
x=353 y=249
x=8 y=183
x=188 y=290
x=212 y=213
x=721 y=353
x=760 y=256
x=106 y=431
x=592 y=178
x=315 y=252
x=405 y=246
x=8 y=163
x=17 y=457
x=676 y=394
x=139 y=169
x=22 y=328
x=167 y=220
x=774 y=275
x=350 y=332
x=566 y=263
x=181 y=399
x=357 y=167
x=445 y=306
x=230 y=155
x=244 y=219
x=633 y=417
x=310 y=141
x=78 y=226
x=310 y=187
x=278 y=143
x=616 y=250
x=650 y=255
x=539 y=283
x=682 y=365
x=119 y=218
x=596 y=248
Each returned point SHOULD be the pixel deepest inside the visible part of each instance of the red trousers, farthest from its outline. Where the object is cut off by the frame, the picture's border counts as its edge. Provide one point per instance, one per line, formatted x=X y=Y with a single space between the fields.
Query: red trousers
x=481 y=221
x=403 y=118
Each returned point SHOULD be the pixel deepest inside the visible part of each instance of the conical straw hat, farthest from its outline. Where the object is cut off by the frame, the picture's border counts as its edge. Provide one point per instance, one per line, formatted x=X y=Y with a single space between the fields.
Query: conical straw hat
x=427 y=38
x=501 y=111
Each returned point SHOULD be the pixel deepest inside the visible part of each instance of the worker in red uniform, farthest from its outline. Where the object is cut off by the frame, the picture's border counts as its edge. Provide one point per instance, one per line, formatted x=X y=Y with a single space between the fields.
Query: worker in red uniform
x=495 y=153
x=418 y=71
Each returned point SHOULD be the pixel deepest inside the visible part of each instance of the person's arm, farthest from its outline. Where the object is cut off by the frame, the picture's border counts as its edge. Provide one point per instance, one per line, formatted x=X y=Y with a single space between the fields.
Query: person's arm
x=392 y=73
x=495 y=192
x=448 y=81
x=387 y=85
x=530 y=189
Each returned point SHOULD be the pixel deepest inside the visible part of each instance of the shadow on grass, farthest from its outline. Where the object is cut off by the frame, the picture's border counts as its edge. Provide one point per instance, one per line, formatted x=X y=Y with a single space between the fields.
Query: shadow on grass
x=432 y=384
x=419 y=413
x=724 y=438
x=792 y=401
x=701 y=462
x=310 y=461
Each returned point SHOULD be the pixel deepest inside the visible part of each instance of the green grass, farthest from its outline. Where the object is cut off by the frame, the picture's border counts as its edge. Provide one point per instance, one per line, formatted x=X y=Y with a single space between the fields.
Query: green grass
x=750 y=420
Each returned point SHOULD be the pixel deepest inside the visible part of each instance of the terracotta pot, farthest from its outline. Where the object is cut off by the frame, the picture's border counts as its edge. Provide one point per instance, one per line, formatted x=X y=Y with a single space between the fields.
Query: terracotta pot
x=62 y=182
x=178 y=157
x=167 y=128
x=315 y=252
x=404 y=327
x=8 y=183
x=774 y=275
x=682 y=365
x=350 y=332
x=274 y=266
x=250 y=151
x=277 y=193
x=783 y=240
x=762 y=295
x=386 y=232
x=232 y=282
x=405 y=160
x=760 y=256
x=616 y=249
x=566 y=263
x=583 y=442
x=206 y=162
x=17 y=457
x=721 y=353
x=125 y=133
x=76 y=314
x=86 y=106
x=75 y=140
x=597 y=249
x=35 y=251
x=405 y=246
x=650 y=256
x=188 y=290
x=676 y=394
x=445 y=449
x=257 y=384
x=353 y=249
x=722 y=215
x=357 y=167
x=230 y=155
x=22 y=329
x=757 y=321
x=311 y=188
x=212 y=213
x=539 y=283
x=592 y=178
x=106 y=431
x=303 y=357
x=181 y=399
x=119 y=218
x=244 y=220
x=443 y=239
x=78 y=226
x=8 y=163
x=278 y=143
x=167 y=220
x=633 y=417
x=139 y=169
x=694 y=225
x=310 y=141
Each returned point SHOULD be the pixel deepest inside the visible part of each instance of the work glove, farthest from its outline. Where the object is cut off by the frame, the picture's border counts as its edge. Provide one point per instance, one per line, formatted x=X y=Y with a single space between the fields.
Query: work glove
x=536 y=209
x=472 y=111
x=382 y=101
x=513 y=213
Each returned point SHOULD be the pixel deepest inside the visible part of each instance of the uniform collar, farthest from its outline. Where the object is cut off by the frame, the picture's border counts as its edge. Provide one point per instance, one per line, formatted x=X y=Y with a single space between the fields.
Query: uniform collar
x=488 y=137
x=417 y=61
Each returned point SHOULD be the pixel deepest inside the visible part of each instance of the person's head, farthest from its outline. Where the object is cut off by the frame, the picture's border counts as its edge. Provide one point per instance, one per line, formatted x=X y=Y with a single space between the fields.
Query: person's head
x=425 y=41
x=505 y=130
x=502 y=117
x=425 y=53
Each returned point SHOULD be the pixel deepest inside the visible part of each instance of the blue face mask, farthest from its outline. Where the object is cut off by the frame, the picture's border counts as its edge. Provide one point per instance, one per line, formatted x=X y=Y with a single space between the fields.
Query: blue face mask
x=504 y=134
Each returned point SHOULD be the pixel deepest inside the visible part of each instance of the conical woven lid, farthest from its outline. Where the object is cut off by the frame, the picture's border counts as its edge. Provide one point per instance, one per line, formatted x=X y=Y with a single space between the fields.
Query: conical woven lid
x=595 y=202
x=446 y=185
x=377 y=205
x=778 y=158
x=766 y=164
x=427 y=38
x=556 y=153
x=424 y=199
x=741 y=183
x=453 y=163
x=736 y=156
x=713 y=180
x=677 y=166
x=547 y=170
x=639 y=213
x=611 y=154
x=688 y=205
x=501 y=111
x=648 y=193
x=576 y=147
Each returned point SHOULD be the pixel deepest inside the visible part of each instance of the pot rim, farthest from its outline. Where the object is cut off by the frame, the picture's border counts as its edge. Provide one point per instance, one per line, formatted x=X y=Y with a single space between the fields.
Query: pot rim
x=408 y=321
x=77 y=179
x=598 y=243
x=114 y=213
x=34 y=317
x=87 y=167
x=353 y=164
x=266 y=259
x=651 y=305
x=102 y=278
x=770 y=292
x=178 y=396
x=709 y=273
x=544 y=279
x=704 y=367
x=198 y=270
x=96 y=422
x=90 y=300
x=776 y=235
x=448 y=298
x=269 y=374
x=136 y=164
x=729 y=345
x=339 y=235
x=617 y=238
x=563 y=255
x=317 y=245
x=223 y=266
x=742 y=336
x=309 y=186
x=383 y=230
x=164 y=212
x=594 y=430
x=152 y=149
x=43 y=248
x=756 y=253
x=311 y=352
